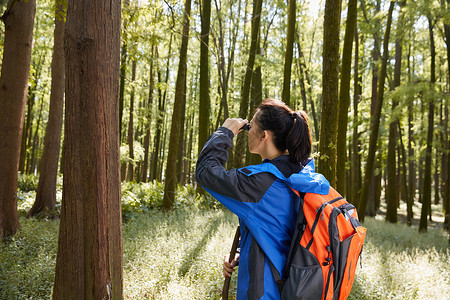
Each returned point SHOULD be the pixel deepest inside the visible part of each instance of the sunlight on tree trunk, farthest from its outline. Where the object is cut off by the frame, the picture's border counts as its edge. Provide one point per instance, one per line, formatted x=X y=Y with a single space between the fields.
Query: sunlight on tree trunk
x=90 y=250
x=330 y=84
x=368 y=174
x=46 y=191
x=18 y=19
x=170 y=173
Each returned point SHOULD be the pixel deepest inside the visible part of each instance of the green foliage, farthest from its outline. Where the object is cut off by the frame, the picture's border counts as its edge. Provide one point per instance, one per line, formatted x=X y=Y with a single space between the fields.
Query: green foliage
x=28 y=261
x=27 y=182
x=178 y=255
x=144 y=197
x=140 y=197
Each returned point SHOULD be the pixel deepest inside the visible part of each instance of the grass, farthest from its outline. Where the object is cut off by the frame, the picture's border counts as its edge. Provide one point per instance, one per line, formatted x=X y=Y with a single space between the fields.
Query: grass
x=179 y=255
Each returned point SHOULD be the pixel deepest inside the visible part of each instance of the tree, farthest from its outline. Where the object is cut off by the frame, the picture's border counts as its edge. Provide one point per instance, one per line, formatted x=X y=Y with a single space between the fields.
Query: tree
x=375 y=122
x=171 y=176
x=46 y=191
x=18 y=19
x=204 y=103
x=123 y=65
x=289 y=52
x=355 y=171
x=89 y=259
x=330 y=81
x=344 y=96
x=224 y=69
x=156 y=160
x=204 y=106
x=392 y=184
x=245 y=94
x=446 y=154
x=426 y=190
x=130 y=171
x=149 y=118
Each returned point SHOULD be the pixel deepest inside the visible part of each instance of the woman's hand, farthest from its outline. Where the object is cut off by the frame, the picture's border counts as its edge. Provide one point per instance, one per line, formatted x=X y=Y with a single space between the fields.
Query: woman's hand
x=228 y=268
x=234 y=124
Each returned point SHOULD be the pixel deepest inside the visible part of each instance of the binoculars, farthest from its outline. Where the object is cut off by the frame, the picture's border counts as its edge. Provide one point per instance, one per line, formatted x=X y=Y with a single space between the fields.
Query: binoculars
x=246 y=127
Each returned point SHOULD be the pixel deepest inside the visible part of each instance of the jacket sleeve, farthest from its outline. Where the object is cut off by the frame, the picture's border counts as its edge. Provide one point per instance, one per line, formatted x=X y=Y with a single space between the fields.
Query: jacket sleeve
x=237 y=191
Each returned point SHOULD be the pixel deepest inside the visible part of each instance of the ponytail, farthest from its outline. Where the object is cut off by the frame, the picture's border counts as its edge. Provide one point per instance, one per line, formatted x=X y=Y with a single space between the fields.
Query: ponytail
x=290 y=129
x=298 y=140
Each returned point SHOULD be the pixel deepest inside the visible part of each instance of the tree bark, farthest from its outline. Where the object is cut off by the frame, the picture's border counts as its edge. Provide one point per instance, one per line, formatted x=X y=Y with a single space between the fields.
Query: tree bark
x=256 y=98
x=330 y=84
x=375 y=123
x=426 y=190
x=304 y=69
x=446 y=154
x=204 y=102
x=89 y=259
x=26 y=135
x=18 y=19
x=144 y=170
x=171 y=178
x=356 y=157
x=131 y=163
x=286 y=96
x=123 y=66
x=392 y=180
x=245 y=94
x=344 y=96
x=46 y=191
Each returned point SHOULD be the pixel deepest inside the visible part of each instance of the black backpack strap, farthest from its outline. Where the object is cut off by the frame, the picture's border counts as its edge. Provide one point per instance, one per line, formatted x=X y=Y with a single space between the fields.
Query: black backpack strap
x=300 y=225
x=298 y=232
x=276 y=275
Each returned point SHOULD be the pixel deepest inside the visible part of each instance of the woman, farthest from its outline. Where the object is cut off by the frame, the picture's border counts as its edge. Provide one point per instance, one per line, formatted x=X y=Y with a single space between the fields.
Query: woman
x=261 y=195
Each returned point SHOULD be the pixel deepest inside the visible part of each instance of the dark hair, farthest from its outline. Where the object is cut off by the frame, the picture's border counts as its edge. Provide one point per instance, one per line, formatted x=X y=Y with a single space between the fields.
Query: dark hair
x=290 y=129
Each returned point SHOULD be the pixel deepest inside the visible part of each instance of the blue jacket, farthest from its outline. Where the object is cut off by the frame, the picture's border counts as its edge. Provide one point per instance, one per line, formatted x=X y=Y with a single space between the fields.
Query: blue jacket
x=261 y=197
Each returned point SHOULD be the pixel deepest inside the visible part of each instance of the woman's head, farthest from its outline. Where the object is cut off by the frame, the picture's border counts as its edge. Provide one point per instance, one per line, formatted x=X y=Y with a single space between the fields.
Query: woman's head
x=289 y=129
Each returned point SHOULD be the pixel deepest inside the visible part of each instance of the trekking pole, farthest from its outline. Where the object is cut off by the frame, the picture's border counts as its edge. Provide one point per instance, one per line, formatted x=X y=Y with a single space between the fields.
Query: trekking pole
x=226 y=284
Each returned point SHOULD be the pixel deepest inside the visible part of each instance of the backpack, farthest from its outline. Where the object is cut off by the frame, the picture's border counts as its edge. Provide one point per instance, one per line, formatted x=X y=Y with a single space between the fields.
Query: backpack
x=324 y=250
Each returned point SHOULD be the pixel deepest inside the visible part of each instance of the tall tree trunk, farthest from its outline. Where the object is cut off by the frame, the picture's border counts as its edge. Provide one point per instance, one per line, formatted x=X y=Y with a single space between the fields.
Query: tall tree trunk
x=18 y=19
x=392 y=180
x=89 y=260
x=182 y=139
x=144 y=169
x=411 y=156
x=286 y=96
x=188 y=166
x=123 y=67
x=155 y=174
x=409 y=202
x=330 y=84
x=375 y=123
x=131 y=125
x=255 y=100
x=426 y=190
x=31 y=163
x=356 y=157
x=344 y=96
x=204 y=103
x=245 y=94
x=46 y=191
x=303 y=69
x=171 y=178
x=26 y=135
x=446 y=154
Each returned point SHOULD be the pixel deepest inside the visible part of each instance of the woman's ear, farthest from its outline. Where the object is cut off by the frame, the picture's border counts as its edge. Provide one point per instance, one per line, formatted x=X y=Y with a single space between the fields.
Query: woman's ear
x=264 y=134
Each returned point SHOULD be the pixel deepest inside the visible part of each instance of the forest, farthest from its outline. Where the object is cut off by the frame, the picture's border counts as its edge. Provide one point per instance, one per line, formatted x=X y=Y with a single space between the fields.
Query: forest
x=106 y=106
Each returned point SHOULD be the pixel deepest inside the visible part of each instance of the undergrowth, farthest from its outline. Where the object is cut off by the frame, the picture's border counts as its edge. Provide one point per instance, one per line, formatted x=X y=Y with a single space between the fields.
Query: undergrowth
x=178 y=255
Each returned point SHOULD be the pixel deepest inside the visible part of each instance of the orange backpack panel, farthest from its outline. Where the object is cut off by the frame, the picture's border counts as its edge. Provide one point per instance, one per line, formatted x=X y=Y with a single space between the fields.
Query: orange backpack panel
x=325 y=249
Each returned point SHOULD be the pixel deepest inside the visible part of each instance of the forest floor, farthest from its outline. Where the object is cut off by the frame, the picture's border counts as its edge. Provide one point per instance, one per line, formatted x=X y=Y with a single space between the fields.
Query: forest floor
x=178 y=255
